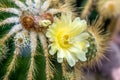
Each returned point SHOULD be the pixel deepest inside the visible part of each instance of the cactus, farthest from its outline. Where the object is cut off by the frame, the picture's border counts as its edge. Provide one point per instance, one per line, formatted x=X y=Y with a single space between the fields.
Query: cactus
x=53 y=39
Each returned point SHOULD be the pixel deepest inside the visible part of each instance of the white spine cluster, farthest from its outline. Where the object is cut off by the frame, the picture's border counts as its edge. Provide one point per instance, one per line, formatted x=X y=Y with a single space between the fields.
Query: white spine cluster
x=21 y=39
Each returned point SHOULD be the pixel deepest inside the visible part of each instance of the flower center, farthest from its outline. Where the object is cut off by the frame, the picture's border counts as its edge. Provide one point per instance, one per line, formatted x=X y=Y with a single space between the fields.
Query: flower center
x=63 y=40
x=111 y=6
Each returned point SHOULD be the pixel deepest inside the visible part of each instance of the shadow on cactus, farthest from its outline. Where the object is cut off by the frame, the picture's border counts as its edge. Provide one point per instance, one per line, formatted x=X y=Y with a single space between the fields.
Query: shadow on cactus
x=37 y=29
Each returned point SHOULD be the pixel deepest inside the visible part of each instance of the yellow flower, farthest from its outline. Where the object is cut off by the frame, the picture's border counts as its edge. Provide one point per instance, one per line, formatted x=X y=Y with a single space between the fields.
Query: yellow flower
x=68 y=39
